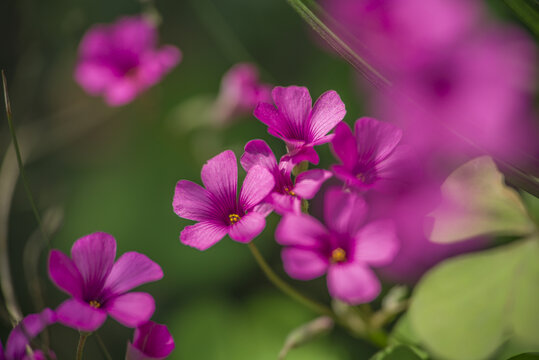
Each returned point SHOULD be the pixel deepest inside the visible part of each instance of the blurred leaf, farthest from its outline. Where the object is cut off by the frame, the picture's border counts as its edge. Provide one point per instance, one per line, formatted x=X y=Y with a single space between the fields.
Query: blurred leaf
x=527 y=356
x=306 y=333
x=398 y=352
x=475 y=201
x=464 y=308
x=403 y=333
x=528 y=11
x=192 y=113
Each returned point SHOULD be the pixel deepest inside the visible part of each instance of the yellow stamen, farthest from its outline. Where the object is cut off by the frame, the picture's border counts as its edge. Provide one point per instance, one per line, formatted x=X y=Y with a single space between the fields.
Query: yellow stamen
x=361 y=177
x=95 y=304
x=338 y=255
x=289 y=192
x=233 y=218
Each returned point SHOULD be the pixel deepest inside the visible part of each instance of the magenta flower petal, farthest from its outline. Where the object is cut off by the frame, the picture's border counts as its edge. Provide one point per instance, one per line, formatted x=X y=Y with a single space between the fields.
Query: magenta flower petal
x=257 y=185
x=257 y=152
x=220 y=177
x=79 y=315
x=304 y=264
x=24 y=332
x=131 y=309
x=202 y=235
x=284 y=203
x=376 y=140
x=309 y=182
x=377 y=243
x=121 y=92
x=294 y=104
x=300 y=230
x=270 y=116
x=344 y=145
x=64 y=273
x=353 y=283
x=151 y=341
x=248 y=227
x=191 y=201
x=344 y=213
x=327 y=112
x=94 y=256
x=94 y=78
x=304 y=153
x=131 y=270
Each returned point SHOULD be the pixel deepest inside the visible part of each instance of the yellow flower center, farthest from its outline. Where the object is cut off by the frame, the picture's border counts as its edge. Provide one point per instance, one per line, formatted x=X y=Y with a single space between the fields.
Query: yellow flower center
x=289 y=191
x=361 y=177
x=95 y=304
x=338 y=255
x=233 y=218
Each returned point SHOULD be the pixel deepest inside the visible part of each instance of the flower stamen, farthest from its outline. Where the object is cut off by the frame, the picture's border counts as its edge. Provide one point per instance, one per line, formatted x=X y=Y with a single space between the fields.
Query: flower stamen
x=289 y=191
x=95 y=304
x=233 y=218
x=338 y=255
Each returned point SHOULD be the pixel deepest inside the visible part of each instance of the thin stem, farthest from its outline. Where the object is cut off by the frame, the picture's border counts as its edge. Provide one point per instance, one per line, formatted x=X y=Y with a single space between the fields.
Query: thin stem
x=80 y=346
x=286 y=288
x=19 y=159
x=102 y=346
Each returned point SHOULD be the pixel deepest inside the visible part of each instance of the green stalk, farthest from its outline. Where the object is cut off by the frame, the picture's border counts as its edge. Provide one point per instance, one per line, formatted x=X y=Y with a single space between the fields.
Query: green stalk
x=80 y=346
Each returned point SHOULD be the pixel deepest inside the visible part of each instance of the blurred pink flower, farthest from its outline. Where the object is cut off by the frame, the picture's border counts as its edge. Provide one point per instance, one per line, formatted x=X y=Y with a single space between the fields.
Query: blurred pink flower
x=399 y=34
x=151 y=341
x=345 y=249
x=121 y=60
x=286 y=196
x=217 y=207
x=241 y=90
x=300 y=124
x=21 y=336
x=99 y=286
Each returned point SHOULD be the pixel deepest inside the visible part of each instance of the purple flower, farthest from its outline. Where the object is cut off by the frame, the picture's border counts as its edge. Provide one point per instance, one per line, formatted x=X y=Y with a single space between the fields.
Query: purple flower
x=217 y=207
x=298 y=123
x=23 y=333
x=345 y=249
x=372 y=156
x=99 y=286
x=240 y=92
x=152 y=341
x=286 y=195
x=120 y=60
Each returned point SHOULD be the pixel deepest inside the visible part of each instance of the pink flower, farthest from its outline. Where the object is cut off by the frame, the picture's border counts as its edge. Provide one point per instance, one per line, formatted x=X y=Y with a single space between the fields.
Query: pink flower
x=121 y=60
x=22 y=335
x=345 y=249
x=286 y=196
x=99 y=286
x=372 y=157
x=240 y=92
x=298 y=123
x=152 y=341
x=217 y=207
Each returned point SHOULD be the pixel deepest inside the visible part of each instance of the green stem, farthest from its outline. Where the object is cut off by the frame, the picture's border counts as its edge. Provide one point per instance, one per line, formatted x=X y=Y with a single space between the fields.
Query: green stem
x=80 y=346
x=19 y=159
x=286 y=288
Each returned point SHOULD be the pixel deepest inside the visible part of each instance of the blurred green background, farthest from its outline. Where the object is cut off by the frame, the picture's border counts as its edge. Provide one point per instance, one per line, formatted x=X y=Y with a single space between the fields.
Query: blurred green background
x=119 y=175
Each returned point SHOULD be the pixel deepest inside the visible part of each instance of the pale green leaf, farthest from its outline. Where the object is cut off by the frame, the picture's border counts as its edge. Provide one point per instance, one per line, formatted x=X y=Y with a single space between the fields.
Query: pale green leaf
x=398 y=352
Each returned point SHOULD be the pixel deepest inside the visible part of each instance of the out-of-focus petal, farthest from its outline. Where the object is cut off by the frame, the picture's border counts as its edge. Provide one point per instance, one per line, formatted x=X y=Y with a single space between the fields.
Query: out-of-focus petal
x=25 y=331
x=153 y=340
x=94 y=78
x=352 y=283
x=377 y=243
x=121 y=92
x=257 y=185
x=344 y=145
x=309 y=182
x=376 y=140
x=327 y=112
x=131 y=309
x=220 y=177
x=249 y=227
x=285 y=203
x=257 y=152
x=300 y=230
x=203 y=235
x=80 y=315
x=344 y=212
x=94 y=256
x=191 y=201
x=304 y=264
x=131 y=270
x=64 y=273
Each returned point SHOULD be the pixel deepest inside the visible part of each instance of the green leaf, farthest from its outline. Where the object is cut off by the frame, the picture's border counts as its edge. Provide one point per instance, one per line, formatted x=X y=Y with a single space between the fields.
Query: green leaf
x=476 y=201
x=466 y=307
x=527 y=356
x=397 y=352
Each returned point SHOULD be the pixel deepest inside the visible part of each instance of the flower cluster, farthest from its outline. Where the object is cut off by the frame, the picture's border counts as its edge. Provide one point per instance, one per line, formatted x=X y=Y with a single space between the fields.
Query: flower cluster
x=351 y=241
